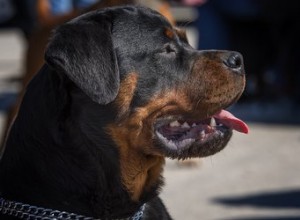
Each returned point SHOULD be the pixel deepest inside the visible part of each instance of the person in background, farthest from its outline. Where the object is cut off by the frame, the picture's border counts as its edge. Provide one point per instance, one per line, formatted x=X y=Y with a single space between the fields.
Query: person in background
x=53 y=12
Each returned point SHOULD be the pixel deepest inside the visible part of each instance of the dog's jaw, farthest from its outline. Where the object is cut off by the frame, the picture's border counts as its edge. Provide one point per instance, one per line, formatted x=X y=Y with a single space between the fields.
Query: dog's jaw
x=182 y=138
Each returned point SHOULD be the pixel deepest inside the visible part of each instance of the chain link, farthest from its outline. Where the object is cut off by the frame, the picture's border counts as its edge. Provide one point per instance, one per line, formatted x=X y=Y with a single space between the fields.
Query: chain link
x=139 y=214
x=28 y=212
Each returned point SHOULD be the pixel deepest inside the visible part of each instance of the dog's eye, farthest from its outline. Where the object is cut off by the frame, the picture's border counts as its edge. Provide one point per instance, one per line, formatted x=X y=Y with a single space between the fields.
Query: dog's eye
x=169 y=49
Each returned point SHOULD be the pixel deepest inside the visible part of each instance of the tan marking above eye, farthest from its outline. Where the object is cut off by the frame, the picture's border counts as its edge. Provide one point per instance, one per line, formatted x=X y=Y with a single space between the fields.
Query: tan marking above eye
x=169 y=33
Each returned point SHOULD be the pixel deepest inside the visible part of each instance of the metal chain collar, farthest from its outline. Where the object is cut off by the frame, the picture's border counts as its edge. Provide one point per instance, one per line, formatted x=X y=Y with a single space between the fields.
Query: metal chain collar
x=28 y=212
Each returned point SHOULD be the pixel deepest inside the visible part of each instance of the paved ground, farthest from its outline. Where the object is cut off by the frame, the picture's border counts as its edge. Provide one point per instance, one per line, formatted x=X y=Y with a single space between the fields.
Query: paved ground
x=256 y=177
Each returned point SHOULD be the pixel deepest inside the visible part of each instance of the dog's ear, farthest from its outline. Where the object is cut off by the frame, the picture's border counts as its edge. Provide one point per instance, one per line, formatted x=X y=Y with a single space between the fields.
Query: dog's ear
x=83 y=50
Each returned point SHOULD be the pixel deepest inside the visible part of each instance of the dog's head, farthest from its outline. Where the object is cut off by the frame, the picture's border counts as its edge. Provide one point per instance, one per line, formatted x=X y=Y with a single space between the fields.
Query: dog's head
x=169 y=97
x=166 y=98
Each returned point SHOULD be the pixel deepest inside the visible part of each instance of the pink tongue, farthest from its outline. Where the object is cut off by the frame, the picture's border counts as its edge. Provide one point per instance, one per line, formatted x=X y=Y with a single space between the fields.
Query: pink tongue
x=231 y=121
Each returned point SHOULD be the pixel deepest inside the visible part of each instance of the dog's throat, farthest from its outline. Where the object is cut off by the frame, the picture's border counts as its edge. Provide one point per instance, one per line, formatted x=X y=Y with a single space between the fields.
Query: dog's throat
x=140 y=172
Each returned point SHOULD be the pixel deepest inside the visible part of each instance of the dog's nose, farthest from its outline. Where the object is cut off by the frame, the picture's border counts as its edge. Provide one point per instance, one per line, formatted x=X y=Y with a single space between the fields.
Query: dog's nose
x=234 y=60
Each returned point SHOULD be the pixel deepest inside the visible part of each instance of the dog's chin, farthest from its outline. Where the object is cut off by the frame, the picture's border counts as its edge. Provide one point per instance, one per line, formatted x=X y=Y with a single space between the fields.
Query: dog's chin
x=185 y=138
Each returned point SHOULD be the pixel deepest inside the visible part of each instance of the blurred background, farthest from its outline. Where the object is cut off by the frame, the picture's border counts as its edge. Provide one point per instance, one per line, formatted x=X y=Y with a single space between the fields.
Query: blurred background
x=258 y=175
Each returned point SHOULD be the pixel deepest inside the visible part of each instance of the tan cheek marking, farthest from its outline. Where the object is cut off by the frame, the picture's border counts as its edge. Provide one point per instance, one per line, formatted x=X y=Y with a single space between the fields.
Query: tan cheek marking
x=139 y=171
x=219 y=86
x=141 y=163
x=169 y=33
x=126 y=92
x=222 y=85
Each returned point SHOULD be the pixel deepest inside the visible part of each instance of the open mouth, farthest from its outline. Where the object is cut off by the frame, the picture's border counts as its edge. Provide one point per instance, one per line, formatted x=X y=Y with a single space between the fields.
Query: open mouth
x=180 y=137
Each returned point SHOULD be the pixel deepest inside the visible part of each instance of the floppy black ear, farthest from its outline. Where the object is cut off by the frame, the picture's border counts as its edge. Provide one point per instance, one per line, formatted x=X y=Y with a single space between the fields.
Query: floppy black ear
x=83 y=50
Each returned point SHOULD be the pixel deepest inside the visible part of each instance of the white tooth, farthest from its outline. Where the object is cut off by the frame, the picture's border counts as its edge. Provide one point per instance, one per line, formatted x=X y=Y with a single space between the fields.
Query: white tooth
x=186 y=143
x=213 y=122
x=161 y=136
x=167 y=142
x=174 y=124
x=171 y=145
x=194 y=125
x=185 y=125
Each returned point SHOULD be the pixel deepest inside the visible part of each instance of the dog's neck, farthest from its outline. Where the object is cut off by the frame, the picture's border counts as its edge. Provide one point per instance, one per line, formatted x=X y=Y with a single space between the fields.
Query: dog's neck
x=77 y=177
x=51 y=163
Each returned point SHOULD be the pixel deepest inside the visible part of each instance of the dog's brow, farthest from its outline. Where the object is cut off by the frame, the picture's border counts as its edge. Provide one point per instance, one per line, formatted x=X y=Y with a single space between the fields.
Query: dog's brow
x=169 y=33
x=172 y=33
x=181 y=34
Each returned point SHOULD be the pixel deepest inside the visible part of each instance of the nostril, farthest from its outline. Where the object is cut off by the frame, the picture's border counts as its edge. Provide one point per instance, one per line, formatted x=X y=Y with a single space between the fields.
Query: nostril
x=234 y=61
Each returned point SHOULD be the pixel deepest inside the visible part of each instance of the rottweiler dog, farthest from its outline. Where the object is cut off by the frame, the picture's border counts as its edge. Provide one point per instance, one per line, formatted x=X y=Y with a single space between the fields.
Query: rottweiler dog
x=121 y=90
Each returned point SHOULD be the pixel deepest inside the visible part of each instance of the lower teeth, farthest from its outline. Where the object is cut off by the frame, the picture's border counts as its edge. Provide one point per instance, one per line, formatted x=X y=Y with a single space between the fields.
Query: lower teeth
x=176 y=144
